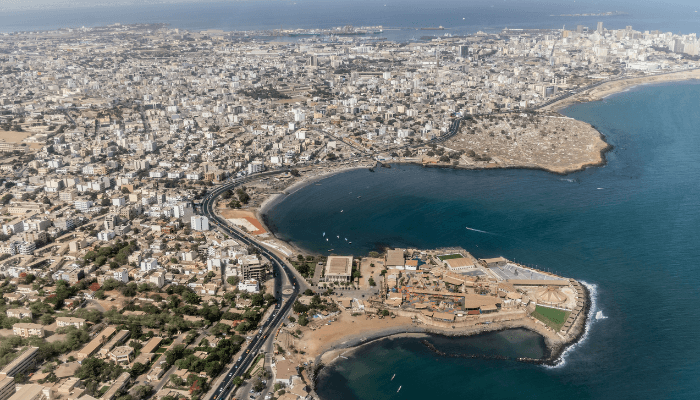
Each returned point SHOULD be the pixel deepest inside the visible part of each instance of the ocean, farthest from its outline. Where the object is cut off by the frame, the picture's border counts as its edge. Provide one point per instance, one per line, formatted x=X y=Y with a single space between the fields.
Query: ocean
x=459 y=16
x=630 y=229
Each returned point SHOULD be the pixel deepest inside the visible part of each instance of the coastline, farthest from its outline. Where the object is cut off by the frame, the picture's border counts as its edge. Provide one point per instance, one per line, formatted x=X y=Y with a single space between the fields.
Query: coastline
x=555 y=349
x=611 y=88
x=602 y=161
x=276 y=198
x=596 y=94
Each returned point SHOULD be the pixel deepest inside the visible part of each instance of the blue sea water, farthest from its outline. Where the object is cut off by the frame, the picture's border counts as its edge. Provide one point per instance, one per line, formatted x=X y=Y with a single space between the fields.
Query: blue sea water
x=460 y=16
x=631 y=228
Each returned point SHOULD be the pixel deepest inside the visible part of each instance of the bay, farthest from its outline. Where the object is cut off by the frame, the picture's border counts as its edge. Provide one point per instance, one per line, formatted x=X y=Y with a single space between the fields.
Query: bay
x=630 y=228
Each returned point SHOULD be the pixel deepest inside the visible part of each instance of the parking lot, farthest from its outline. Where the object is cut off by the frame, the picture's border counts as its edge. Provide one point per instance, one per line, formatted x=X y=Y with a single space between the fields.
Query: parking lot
x=512 y=271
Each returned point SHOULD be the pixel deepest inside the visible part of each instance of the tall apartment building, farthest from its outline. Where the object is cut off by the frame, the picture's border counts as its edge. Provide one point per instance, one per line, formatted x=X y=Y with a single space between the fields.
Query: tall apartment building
x=199 y=223
x=121 y=275
x=253 y=272
x=183 y=210
x=111 y=221
x=26 y=248
x=82 y=205
x=255 y=167
x=68 y=195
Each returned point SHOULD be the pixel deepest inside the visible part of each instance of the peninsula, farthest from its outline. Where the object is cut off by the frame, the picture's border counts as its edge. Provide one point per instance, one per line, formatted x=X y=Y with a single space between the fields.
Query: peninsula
x=409 y=291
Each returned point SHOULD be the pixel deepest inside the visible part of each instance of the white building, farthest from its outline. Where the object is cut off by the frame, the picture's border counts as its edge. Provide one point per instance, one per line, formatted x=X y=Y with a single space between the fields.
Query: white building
x=121 y=275
x=27 y=248
x=83 y=205
x=149 y=264
x=157 y=279
x=199 y=223
x=183 y=210
x=13 y=227
x=251 y=286
x=255 y=167
x=106 y=235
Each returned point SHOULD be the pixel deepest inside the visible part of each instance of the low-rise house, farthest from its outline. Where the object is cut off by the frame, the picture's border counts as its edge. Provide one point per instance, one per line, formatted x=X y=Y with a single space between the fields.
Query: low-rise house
x=19 y=313
x=121 y=354
x=25 y=330
x=249 y=285
x=70 y=321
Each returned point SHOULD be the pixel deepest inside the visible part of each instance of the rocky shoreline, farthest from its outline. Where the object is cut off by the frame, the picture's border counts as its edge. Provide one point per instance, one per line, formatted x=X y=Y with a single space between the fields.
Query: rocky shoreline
x=600 y=163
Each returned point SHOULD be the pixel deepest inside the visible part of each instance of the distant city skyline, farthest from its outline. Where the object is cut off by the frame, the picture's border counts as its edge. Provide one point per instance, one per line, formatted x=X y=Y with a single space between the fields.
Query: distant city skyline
x=19 y=5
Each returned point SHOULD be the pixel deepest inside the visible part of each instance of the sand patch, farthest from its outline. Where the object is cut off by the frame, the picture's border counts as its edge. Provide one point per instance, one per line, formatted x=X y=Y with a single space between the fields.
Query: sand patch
x=316 y=341
x=14 y=137
x=244 y=219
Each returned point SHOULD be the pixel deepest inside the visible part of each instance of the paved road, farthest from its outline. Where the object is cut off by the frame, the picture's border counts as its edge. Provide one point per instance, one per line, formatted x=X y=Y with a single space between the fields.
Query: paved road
x=265 y=336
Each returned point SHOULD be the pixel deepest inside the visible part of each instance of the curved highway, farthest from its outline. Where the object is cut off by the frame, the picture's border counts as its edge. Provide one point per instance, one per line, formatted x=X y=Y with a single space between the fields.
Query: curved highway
x=267 y=330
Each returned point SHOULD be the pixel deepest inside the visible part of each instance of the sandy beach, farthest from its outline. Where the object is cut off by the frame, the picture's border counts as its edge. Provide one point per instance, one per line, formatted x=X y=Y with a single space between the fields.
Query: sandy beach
x=611 y=88
x=306 y=179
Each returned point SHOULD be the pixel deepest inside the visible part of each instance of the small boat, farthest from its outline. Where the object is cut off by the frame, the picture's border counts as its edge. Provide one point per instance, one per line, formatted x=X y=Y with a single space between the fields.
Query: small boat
x=399 y=389
x=349 y=242
x=346 y=239
x=392 y=378
x=359 y=197
x=338 y=237
x=324 y=234
x=341 y=210
x=326 y=239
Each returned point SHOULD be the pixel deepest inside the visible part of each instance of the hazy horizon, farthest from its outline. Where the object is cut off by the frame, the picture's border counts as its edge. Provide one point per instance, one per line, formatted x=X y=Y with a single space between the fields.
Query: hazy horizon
x=590 y=5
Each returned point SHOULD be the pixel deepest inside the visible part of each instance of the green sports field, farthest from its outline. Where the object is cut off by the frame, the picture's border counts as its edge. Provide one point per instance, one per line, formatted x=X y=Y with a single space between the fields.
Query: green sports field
x=551 y=316
x=450 y=257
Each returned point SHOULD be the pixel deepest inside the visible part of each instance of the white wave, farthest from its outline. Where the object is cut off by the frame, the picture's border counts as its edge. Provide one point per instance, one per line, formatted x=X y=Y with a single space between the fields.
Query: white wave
x=593 y=293
x=477 y=230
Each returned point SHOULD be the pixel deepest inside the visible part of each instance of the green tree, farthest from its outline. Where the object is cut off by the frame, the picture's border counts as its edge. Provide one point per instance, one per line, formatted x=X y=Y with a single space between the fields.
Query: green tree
x=303 y=320
x=191 y=297
x=138 y=369
x=142 y=391
x=257 y=300
x=176 y=380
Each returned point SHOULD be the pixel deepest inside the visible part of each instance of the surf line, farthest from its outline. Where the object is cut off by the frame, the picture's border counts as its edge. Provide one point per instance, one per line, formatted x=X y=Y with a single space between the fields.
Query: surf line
x=480 y=231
